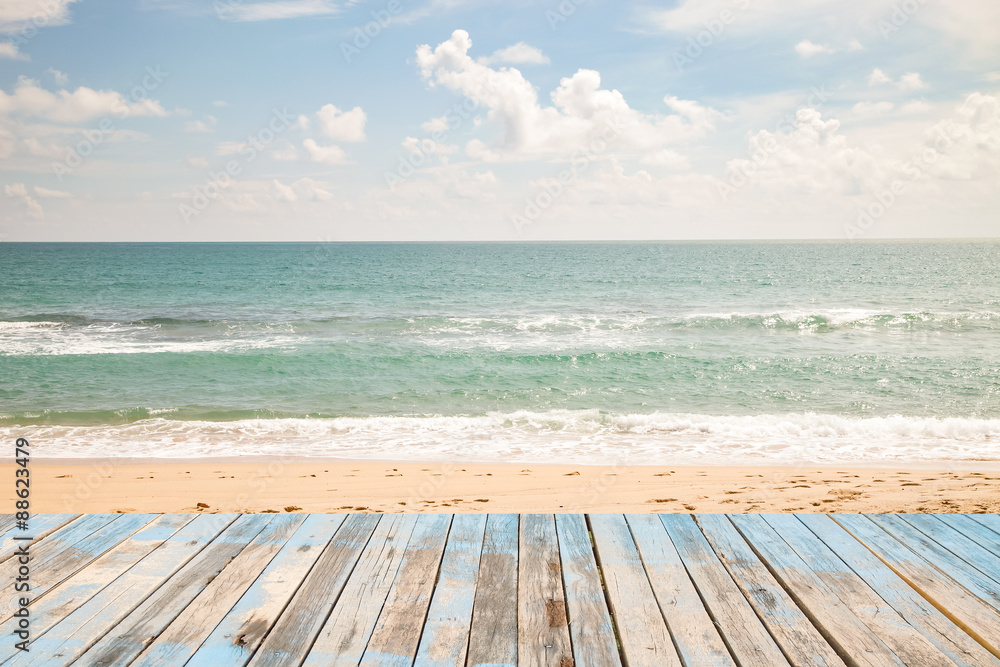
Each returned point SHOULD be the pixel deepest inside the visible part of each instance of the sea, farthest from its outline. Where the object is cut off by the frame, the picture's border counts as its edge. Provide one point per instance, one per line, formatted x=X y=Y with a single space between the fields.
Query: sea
x=698 y=353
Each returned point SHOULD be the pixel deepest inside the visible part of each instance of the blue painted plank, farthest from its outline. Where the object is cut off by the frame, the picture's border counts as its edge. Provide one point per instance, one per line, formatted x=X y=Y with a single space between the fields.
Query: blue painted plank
x=62 y=599
x=963 y=545
x=949 y=597
x=645 y=639
x=695 y=635
x=298 y=625
x=178 y=634
x=747 y=638
x=65 y=527
x=240 y=633
x=799 y=639
x=396 y=636
x=75 y=633
x=959 y=569
x=343 y=638
x=493 y=642
x=962 y=649
x=590 y=627
x=445 y=640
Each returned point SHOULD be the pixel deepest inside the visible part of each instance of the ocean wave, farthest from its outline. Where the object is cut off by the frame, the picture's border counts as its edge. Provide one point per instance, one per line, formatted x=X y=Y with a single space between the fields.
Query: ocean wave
x=67 y=334
x=578 y=436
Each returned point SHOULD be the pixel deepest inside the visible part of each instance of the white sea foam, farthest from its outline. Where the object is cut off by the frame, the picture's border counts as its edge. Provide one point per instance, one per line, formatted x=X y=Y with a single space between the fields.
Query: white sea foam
x=582 y=436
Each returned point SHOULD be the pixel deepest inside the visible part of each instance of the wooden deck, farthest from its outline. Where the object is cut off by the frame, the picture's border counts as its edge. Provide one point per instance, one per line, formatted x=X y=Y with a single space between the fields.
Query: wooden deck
x=471 y=589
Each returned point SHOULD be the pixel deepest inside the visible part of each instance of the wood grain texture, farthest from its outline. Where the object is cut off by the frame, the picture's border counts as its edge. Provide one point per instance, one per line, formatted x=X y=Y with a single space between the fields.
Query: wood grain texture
x=644 y=636
x=744 y=633
x=493 y=640
x=542 y=625
x=445 y=639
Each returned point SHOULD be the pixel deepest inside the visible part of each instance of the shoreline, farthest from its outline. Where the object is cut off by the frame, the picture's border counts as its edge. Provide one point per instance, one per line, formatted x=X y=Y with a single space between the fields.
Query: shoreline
x=274 y=484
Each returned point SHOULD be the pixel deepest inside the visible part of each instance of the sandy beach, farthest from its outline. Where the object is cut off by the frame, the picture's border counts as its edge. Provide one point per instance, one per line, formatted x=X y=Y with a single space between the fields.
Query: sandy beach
x=272 y=485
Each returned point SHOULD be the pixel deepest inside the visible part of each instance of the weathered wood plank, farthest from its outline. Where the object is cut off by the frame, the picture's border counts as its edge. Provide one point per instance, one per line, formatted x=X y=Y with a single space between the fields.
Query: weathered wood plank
x=131 y=633
x=695 y=635
x=966 y=574
x=991 y=521
x=41 y=526
x=56 y=540
x=542 y=626
x=396 y=636
x=55 y=559
x=799 y=639
x=736 y=620
x=961 y=607
x=644 y=636
x=237 y=636
x=967 y=550
x=343 y=638
x=298 y=625
x=177 y=641
x=973 y=530
x=844 y=608
x=75 y=633
x=62 y=599
x=590 y=626
x=445 y=639
x=918 y=612
x=493 y=639
x=7 y=522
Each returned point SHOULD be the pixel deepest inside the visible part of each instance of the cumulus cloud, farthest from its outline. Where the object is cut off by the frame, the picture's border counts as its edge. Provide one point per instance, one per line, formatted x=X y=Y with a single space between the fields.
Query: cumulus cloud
x=865 y=109
x=16 y=14
x=61 y=78
x=342 y=125
x=283 y=9
x=583 y=114
x=207 y=125
x=23 y=201
x=907 y=83
x=198 y=162
x=814 y=157
x=51 y=194
x=10 y=51
x=325 y=154
x=516 y=54
x=80 y=105
x=807 y=49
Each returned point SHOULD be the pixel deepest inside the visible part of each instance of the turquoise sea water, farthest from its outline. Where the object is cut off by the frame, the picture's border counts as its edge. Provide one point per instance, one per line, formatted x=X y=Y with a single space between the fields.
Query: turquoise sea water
x=640 y=353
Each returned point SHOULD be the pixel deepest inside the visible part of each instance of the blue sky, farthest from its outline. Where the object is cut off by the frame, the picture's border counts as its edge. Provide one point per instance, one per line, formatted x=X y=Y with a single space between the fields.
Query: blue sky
x=478 y=120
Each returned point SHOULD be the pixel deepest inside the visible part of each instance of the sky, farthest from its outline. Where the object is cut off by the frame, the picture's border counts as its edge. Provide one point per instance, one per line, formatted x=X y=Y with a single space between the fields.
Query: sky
x=438 y=120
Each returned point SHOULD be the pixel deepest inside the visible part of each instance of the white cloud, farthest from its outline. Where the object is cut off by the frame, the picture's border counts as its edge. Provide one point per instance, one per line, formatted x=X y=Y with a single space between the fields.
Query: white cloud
x=517 y=54
x=283 y=192
x=224 y=148
x=198 y=162
x=284 y=9
x=207 y=125
x=439 y=124
x=807 y=49
x=325 y=154
x=23 y=200
x=866 y=109
x=908 y=82
x=814 y=158
x=855 y=45
x=878 y=76
x=10 y=51
x=15 y=14
x=583 y=115
x=61 y=78
x=911 y=81
x=51 y=194
x=82 y=104
x=342 y=125
x=219 y=103
x=310 y=189
x=287 y=153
